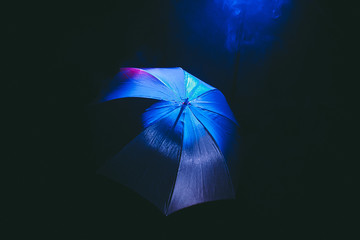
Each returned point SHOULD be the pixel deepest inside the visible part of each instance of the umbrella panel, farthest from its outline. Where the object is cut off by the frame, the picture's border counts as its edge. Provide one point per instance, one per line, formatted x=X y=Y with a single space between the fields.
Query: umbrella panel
x=149 y=163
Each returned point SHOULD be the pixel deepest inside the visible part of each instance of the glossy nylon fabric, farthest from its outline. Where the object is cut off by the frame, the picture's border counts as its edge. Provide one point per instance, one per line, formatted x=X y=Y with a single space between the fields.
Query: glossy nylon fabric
x=186 y=154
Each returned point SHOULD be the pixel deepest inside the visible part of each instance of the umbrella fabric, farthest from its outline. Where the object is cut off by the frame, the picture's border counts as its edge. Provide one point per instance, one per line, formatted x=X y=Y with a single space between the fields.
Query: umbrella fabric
x=187 y=152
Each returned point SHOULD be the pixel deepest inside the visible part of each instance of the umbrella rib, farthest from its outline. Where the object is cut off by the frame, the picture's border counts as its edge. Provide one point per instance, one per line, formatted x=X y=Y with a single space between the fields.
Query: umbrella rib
x=159 y=107
x=226 y=166
x=154 y=88
x=165 y=115
x=204 y=93
x=162 y=82
x=177 y=170
x=205 y=109
x=179 y=115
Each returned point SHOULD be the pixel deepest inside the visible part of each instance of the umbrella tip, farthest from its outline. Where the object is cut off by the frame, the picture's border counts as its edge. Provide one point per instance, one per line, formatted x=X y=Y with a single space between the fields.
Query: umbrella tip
x=186 y=102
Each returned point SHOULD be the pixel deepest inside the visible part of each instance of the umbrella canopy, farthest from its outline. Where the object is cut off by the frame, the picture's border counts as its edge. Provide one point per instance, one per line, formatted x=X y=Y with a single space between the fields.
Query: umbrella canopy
x=187 y=152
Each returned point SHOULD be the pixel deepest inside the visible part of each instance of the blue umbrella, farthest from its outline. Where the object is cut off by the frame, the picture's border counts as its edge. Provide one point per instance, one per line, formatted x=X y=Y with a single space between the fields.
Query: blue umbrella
x=187 y=152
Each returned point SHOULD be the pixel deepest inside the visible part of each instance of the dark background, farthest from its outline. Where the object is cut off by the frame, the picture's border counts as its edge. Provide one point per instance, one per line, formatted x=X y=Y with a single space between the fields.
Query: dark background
x=295 y=110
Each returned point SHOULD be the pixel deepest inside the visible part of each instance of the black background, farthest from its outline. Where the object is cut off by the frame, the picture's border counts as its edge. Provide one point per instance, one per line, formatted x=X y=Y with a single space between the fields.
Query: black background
x=298 y=135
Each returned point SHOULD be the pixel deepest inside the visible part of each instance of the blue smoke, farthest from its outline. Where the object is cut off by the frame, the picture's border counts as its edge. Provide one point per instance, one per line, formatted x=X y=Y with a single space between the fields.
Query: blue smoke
x=250 y=22
x=227 y=42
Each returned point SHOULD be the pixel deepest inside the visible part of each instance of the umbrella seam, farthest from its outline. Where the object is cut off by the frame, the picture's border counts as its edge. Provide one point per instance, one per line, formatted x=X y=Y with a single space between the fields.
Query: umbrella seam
x=154 y=88
x=161 y=118
x=226 y=166
x=186 y=80
x=211 y=90
x=182 y=144
x=150 y=87
x=162 y=83
x=177 y=171
x=218 y=114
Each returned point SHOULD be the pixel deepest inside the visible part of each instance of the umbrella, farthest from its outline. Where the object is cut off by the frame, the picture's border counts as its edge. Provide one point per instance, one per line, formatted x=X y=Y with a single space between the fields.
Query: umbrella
x=187 y=151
